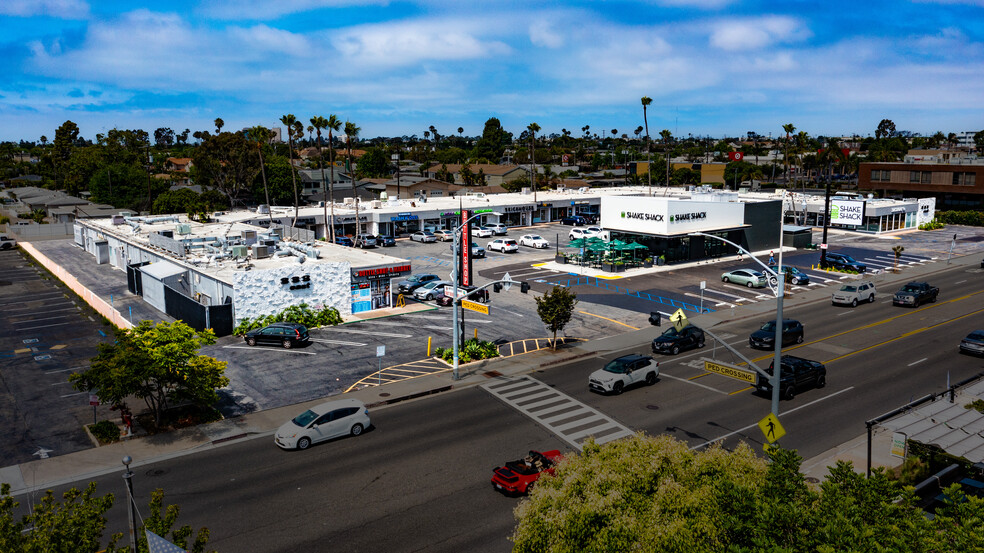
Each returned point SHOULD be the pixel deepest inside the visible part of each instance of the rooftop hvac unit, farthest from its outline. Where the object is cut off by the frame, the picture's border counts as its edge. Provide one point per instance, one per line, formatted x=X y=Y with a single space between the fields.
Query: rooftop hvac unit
x=376 y=204
x=349 y=201
x=240 y=251
x=260 y=251
x=118 y=219
x=184 y=229
x=249 y=236
x=526 y=190
x=561 y=188
x=263 y=209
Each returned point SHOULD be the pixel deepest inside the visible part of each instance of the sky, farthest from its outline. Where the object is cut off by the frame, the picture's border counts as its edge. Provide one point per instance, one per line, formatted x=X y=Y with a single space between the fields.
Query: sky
x=712 y=67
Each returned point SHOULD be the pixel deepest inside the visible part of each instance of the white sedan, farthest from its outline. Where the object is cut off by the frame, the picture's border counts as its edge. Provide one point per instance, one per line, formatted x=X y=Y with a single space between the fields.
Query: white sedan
x=323 y=422
x=481 y=232
x=503 y=245
x=533 y=241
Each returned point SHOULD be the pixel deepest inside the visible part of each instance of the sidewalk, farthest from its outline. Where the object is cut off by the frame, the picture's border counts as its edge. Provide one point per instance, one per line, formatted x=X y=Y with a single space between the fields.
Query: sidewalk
x=45 y=473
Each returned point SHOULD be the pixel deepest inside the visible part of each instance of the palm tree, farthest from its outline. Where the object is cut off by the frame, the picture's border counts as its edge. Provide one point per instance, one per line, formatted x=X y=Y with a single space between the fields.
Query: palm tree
x=319 y=122
x=646 y=101
x=260 y=135
x=333 y=124
x=219 y=123
x=290 y=122
x=789 y=128
x=460 y=130
x=533 y=128
x=351 y=132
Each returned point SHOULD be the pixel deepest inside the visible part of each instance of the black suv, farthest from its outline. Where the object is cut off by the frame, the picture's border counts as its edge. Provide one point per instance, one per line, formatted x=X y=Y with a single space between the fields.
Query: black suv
x=575 y=220
x=765 y=337
x=842 y=261
x=674 y=341
x=797 y=374
x=415 y=281
x=287 y=335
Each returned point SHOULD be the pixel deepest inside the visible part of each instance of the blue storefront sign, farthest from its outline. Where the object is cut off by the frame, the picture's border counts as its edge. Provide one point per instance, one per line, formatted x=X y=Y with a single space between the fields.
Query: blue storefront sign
x=403 y=217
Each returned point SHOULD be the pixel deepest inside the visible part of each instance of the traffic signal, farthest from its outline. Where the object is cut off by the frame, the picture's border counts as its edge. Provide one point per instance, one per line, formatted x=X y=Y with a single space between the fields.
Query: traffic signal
x=654 y=318
x=524 y=287
x=496 y=287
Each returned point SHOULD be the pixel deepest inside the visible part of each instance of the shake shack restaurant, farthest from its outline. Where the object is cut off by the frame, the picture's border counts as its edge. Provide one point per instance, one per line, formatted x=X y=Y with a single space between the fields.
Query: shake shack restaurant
x=665 y=225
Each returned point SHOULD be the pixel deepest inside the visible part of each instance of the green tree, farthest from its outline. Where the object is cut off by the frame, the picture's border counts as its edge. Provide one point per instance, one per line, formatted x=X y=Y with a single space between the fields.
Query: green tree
x=979 y=141
x=555 y=309
x=493 y=141
x=533 y=128
x=318 y=122
x=789 y=128
x=156 y=363
x=225 y=162
x=886 y=129
x=123 y=185
x=65 y=137
x=182 y=200
x=278 y=171
x=373 y=164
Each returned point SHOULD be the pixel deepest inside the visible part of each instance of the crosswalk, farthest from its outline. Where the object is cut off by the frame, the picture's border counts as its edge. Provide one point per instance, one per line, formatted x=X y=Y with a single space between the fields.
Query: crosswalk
x=571 y=420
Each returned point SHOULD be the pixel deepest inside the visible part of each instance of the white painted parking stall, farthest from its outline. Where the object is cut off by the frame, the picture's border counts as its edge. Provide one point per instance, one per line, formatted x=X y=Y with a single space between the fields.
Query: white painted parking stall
x=559 y=413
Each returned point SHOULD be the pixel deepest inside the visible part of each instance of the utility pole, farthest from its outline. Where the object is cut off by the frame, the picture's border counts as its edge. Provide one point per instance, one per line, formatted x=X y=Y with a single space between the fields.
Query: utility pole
x=131 y=507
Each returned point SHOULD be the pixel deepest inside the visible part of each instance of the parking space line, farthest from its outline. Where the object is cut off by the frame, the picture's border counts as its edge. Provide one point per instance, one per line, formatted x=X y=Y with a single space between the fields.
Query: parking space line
x=371 y=332
x=337 y=342
x=41 y=319
x=715 y=291
x=42 y=326
x=282 y=350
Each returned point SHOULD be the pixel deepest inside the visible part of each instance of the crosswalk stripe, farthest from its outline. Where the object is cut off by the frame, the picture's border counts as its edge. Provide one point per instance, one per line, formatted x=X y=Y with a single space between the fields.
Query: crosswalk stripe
x=559 y=413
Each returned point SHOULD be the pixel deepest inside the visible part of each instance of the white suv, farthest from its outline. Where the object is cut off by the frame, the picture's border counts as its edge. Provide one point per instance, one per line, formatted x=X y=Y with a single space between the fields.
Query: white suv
x=499 y=229
x=623 y=372
x=853 y=294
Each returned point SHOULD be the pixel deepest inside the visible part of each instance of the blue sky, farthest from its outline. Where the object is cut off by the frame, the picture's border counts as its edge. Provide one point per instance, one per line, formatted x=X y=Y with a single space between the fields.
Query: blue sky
x=712 y=67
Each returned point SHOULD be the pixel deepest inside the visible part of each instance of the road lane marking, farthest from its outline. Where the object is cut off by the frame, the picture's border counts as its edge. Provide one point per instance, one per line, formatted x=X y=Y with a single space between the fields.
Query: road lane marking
x=607 y=319
x=960 y=281
x=270 y=349
x=917 y=362
x=742 y=390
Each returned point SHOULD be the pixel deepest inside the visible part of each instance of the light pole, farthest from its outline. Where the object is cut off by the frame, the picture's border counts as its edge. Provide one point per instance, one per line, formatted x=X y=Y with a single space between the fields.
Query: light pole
x=779 y=290
x=128 y=478
x=455 y=331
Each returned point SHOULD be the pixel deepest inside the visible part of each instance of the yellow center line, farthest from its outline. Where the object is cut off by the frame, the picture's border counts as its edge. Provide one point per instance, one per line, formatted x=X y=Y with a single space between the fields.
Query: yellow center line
x=698 y=376
x=742 y=390
x=607 y=319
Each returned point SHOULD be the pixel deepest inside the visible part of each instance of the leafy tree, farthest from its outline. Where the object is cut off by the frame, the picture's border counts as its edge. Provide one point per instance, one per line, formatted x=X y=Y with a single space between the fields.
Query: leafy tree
x=164 y=137
x=373 y=164
x=555 y=309
x=278 y=171
x=886 y=129
x=65 y=137
x=493 y=141
x=181 y=200
x=979 y=140
x=225 y=162
x=444 y=175
x=123 y=185
x=219 y=123
x=158 y=364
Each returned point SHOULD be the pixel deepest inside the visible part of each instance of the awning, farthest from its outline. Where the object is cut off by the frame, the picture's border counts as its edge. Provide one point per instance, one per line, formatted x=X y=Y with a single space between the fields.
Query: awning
x=949 y=426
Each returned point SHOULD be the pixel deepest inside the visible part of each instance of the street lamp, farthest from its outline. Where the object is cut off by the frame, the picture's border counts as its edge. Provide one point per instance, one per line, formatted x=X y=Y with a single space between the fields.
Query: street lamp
x=779 y=290
x=455 y=331
x=128 y=477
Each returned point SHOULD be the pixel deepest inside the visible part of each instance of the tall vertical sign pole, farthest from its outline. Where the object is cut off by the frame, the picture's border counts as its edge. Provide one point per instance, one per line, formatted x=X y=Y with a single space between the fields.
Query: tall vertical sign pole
x=780 y=292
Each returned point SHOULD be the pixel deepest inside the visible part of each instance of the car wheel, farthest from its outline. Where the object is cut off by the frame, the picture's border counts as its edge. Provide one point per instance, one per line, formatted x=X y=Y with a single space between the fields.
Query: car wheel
x=651 y=379
x=932 y=299
x=725 y=279
x=796 y=280
x=700 y=343
x=356 y=429
x=303 y=443
x=799 y=339
x=871 y=298
x=854 y=302
x=790 y=393
x=821 y=381
x=288 y=344
x=617 y=388
x=675 y=350
x=251 y=341
x=750 y=284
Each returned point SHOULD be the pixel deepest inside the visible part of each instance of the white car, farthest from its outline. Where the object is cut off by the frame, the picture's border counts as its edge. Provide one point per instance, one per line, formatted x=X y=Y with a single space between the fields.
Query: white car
x=499 y=229
x=623 y=372
x=431 y=290
x=503 y=245
x=578 y=232
x=593 y=231
x=533 y=241
x=481 y=232
x=423 y=236
x=853 y=294
x=323 y=422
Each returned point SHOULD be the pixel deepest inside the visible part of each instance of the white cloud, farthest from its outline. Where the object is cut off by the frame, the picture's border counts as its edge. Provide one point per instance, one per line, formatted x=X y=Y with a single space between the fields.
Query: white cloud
x=407 y=42
x=272 y=9
x=755 y=33
x=543 y=33
x=64 y=9
x=698 y=4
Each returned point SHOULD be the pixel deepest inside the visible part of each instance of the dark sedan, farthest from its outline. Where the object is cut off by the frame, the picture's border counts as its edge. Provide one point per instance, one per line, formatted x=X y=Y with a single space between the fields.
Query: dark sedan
x=344 y=241
x=385 y=241
x=973 y=344
x=674 y=341
x=415 y=281
x=287 y=335
x=765 y=337
x=844 y=262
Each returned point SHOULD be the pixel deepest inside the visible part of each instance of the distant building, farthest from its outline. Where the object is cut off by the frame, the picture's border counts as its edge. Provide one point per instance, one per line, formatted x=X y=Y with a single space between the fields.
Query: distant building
x=495 y=175
x=955 y=182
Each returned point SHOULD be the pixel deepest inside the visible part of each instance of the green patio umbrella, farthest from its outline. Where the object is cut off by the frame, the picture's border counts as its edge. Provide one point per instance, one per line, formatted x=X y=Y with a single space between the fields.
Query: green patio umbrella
x=578 y=243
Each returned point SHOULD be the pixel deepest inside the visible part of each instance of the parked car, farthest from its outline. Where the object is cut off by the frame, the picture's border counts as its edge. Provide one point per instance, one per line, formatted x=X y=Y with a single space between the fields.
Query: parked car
x=287 y=335
x=534 y=241
x=745 y=277
x=853 y=294
x=498 y=229
x=503 y=245
x=594 y=231
x=344 y=417
x=795 y=276
x=622 y=372
x=385 y=240
x=481 y=232
x=365 y=241
x=344 y=241
x=7 y=242
x=915 y=294
x=575 y=220
x=423 y=236
x=843 y=262
x=765 y=337
x=797 y=374
x=444 y=235
x=973 y=343
x=580 y=232
x=481 y=296
x=516 y=477
x=414 y=282
x=431 y=290
x=674 y=341
x=476 y=250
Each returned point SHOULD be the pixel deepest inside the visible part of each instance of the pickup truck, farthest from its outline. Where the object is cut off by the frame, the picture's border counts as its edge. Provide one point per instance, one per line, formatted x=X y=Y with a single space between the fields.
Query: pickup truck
x=915 y=294
x=7 y=243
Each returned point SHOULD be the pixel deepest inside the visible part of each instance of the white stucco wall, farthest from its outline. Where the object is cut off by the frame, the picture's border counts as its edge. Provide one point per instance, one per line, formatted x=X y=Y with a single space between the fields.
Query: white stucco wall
x=261 y=293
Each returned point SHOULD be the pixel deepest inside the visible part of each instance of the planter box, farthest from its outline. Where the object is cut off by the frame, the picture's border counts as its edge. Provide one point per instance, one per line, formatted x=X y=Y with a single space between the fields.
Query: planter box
x=612 y=268
x=647 y=264
x=560 y=259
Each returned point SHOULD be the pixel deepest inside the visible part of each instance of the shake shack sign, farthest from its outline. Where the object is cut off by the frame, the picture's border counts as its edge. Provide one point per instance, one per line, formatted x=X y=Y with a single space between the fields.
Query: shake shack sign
x=658 y=217
x=692 y=216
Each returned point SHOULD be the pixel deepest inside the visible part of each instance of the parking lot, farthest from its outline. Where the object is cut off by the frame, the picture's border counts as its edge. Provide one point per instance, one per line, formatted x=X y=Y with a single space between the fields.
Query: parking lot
x=45 y=335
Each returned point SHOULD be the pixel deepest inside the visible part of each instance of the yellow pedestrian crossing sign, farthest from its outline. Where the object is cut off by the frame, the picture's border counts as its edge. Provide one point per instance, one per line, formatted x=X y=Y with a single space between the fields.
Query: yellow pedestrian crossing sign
x=679 y=319
x=771 y=428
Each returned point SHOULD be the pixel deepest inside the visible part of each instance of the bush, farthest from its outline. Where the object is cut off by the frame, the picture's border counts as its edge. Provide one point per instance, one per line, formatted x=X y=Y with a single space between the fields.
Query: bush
x=932 y=225
x=302 y=314
x=474 y=350
x=969 y=218
x=105 y=431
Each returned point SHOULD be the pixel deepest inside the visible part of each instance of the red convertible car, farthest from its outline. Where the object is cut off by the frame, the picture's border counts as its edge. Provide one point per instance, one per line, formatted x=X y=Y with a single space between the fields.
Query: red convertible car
x=518 y=476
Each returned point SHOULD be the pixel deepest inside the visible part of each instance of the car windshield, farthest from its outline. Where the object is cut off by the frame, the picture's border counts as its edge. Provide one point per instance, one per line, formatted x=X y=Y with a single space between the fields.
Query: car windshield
x=769 y=326
x=535 y=237
x=910 y=288
x=849 y=288
x=414 y=278
x=670 y=333
x=304 y=418
x=849 y=259
x=615 y=367
x=977 y=335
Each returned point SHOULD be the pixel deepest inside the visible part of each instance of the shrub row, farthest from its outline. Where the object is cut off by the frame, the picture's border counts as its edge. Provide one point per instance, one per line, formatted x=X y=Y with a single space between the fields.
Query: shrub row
x=302 y=314
x=474 y=350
